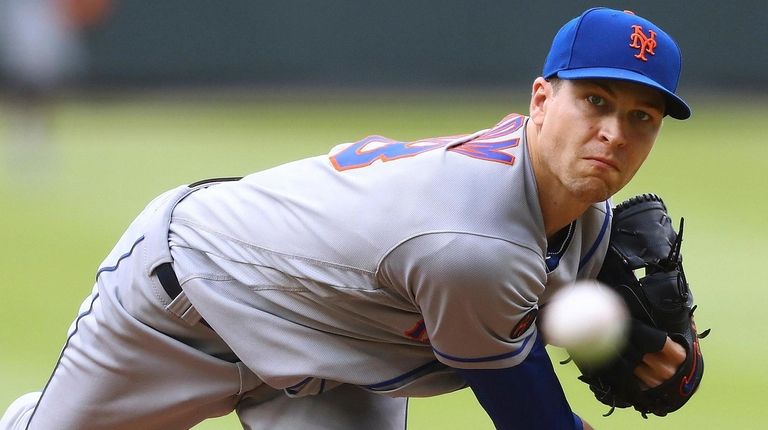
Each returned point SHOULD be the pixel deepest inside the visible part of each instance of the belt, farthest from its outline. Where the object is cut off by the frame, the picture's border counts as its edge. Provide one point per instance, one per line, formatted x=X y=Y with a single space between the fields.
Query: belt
x=165 y=273
x=167 y=277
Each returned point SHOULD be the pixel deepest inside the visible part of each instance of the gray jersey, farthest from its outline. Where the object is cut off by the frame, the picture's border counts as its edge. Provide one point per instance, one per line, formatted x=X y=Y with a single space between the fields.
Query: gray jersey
x=383 y=264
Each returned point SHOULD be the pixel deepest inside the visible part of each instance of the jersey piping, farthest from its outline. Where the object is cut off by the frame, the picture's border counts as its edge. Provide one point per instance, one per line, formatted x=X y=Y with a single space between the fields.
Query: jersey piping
x=603 y=229
x=510 y=354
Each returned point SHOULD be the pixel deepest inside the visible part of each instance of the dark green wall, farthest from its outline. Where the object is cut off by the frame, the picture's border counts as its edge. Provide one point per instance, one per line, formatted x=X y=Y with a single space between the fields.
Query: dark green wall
x=446 y=42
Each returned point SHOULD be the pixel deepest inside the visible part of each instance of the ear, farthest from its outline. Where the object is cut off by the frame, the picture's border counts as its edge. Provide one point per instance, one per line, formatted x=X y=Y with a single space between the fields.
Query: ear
x=540 y=94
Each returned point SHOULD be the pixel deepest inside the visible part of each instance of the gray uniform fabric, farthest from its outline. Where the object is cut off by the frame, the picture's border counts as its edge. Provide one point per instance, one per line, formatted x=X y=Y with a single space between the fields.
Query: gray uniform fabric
x=382 y=274
x=337 y=286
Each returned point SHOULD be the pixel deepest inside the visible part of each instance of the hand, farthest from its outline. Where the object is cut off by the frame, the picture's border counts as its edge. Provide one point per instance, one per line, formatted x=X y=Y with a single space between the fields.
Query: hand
x=657 y=367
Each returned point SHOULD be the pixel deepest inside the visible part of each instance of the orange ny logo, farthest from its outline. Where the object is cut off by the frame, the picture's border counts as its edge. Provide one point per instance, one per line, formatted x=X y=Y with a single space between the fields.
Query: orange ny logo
x=646 y=44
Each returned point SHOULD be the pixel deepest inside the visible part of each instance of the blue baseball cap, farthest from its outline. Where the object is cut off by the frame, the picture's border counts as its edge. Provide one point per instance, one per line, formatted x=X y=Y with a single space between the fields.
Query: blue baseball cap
x=605 y=43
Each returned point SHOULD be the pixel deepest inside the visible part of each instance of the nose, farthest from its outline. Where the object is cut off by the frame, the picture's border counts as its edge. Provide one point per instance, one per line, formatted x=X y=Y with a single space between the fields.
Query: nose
x=612 y=132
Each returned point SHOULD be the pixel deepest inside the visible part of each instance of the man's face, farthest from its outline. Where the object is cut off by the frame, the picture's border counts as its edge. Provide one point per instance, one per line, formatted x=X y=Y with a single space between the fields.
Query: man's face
x=593 y=134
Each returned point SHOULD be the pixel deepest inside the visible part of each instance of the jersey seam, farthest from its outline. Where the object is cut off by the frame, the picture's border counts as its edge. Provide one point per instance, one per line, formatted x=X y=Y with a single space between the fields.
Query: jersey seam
x=267 y=250
x=266 y=287
x=404 y=241
x=256 y=287
x=208 y=276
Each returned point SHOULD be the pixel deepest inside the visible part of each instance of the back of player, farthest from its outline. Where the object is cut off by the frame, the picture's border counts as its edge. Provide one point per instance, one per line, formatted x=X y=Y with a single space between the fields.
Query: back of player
x=380 y=266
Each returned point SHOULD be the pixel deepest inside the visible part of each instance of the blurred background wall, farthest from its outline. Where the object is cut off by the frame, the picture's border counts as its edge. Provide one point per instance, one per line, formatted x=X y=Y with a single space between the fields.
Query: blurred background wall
x=398 y=42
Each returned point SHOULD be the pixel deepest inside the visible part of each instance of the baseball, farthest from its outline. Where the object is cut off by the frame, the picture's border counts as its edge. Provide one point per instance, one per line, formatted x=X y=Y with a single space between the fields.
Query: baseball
x=588 y=319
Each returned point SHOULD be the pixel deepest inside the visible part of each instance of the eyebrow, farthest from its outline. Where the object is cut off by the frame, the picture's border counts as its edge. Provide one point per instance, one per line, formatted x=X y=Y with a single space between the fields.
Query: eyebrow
x=604 y=86
x=646 y=101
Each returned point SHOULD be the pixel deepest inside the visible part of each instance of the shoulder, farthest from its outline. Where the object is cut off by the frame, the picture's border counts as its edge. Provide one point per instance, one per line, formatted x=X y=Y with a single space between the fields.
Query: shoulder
x=460 y=260
x=599 y=208
x=597 y=216
x=596 y=227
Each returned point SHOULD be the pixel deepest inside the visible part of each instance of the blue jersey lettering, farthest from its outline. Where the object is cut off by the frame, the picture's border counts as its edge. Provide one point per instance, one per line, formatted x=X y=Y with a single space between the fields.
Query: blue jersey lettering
x=489 y=146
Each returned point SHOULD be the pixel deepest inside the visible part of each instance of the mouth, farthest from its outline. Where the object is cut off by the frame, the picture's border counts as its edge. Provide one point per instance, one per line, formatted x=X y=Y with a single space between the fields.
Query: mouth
x=602 y=162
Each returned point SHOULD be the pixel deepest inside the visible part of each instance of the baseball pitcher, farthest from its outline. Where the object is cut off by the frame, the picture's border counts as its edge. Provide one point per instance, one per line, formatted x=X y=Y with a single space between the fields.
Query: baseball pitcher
x=323 y=293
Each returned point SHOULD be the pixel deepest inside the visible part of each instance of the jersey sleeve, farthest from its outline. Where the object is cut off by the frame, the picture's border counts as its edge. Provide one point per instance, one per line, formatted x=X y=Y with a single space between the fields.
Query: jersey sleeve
x=527 y=396
x=478 y=295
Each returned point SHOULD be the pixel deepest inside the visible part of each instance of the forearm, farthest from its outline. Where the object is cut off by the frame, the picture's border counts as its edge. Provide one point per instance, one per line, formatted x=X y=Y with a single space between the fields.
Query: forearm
x=524 y=396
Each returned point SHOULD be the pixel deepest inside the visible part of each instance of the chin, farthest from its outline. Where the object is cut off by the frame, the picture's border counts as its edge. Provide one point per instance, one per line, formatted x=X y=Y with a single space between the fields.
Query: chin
x=591 y=190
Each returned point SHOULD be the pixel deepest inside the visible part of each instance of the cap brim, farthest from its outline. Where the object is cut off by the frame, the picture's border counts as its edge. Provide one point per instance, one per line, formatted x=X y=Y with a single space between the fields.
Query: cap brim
x=676 y=107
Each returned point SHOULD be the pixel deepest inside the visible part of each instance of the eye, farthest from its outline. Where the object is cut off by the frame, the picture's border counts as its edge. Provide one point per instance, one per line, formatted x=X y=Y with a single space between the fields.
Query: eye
x=596 y=100
x=642 y=116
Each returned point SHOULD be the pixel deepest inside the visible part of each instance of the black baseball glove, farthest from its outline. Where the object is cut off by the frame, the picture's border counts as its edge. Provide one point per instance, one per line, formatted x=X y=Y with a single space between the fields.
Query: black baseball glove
x=660 y=304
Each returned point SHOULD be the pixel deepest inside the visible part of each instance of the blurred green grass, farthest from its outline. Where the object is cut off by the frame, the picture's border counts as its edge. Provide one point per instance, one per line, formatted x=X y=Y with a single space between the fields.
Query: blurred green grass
x=66 y=202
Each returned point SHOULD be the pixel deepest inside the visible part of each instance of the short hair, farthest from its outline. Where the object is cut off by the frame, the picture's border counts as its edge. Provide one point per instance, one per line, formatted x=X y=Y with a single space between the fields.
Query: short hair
x=556 y=83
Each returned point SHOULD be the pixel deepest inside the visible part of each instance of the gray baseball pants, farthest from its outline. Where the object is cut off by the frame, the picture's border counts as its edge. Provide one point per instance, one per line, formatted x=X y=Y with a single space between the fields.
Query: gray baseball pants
x=134 y=359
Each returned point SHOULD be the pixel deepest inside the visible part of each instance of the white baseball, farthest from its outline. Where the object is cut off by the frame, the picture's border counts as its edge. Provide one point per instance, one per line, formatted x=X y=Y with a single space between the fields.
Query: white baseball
x=588 y=319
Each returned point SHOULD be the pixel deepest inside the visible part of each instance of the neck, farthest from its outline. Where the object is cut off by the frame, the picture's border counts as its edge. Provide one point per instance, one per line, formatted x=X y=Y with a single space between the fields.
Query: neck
x=558 y=206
